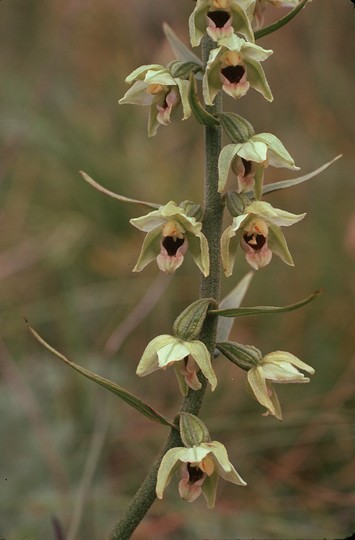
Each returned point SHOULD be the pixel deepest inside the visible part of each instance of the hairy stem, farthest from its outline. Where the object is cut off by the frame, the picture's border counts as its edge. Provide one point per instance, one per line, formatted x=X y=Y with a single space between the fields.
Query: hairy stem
x=210 y=288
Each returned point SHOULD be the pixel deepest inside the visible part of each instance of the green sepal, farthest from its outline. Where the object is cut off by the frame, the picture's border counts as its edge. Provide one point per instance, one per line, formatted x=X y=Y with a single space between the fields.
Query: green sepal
x=260 y=310
x=193 y=431
x=189 y=323
x=280 y=23
x=200 y=113
x=238 y=129
x=244 y=356
x=120 y=391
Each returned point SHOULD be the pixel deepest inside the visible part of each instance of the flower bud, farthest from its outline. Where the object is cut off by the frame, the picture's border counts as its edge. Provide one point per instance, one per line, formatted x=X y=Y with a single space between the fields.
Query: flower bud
x=189 y=323
x=192 y=430
x=236 y=203
x=244 y=356
x=238 y=129
x=191 y=209
x=182 y=70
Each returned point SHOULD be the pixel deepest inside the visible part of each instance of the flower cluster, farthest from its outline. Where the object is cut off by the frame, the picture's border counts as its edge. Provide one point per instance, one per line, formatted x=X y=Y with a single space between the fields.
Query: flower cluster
x=233 y=66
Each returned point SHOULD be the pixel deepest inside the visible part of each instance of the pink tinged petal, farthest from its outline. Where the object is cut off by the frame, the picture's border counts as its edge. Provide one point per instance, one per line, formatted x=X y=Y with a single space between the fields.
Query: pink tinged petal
x=234 y=81
x=171 y=100
x=245 y=173
x=191 y=482
x=259 y=259
x=171 y=255
x=219 y=25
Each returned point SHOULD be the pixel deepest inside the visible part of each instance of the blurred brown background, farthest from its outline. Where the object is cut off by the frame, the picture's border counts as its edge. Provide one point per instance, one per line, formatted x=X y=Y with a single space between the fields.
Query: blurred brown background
x=71 y=456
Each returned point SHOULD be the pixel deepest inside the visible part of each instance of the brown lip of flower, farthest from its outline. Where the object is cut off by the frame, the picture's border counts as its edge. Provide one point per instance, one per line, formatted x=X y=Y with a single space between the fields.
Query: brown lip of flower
x=172 y=244
x=254 y=240
x=219 y=17
x=195 y=473
x=233 y=73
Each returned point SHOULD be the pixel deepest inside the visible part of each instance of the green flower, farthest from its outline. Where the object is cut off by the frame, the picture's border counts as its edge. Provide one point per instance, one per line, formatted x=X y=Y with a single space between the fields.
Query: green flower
x=200 y=467
x=259 y=234
x=154 y=86
x=220 y=19
x=249 y=159
x=171 y=233
x=234 y=66
x=275 y=367
x=187 y=357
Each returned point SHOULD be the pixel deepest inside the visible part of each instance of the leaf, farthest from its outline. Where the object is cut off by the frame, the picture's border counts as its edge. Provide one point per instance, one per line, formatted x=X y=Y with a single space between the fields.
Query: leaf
x=276 y=186
x=260 y=310
x=181 y=51
x=280 y=23
x=233 y=299
x=121 y=198
x=116 y=389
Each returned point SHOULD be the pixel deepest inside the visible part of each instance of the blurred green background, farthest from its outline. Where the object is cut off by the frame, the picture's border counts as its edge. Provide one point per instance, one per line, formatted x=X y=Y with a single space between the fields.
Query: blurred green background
x=72 y=456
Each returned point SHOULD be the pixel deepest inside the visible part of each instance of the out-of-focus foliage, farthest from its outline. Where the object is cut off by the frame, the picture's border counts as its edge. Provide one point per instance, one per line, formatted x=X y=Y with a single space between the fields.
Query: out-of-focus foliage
x=66 y=258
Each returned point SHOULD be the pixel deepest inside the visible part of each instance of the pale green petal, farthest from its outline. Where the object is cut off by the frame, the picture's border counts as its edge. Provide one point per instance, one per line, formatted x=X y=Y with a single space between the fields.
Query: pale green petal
x=275 y=401
x=225 y=159
x=168 y=465
x=149 y=222
x=257 y=383
x=202 y=357
x=195 y=454
x=162 y=77
x=283 y=372
x=241 y=22
x=181 y=381
x=149 y=361
x=173 y=351
x=283 y=356
x=211 y=83
x=150 y=250
x=140 y=72
x=153 y=124
x=277 y=153
x=278 y=245
x=253 y=150
x=250 y=51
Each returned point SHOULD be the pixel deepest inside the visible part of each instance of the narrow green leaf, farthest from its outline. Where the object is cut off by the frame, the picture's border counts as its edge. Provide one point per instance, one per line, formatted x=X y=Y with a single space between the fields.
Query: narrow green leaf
x=276 y=186
x=280 y=23
x=119 y=391
x=121 y=198
x=260 y=310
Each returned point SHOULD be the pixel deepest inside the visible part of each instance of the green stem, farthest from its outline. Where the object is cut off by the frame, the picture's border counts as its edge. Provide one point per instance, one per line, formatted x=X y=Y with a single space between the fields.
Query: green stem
x=210 y=288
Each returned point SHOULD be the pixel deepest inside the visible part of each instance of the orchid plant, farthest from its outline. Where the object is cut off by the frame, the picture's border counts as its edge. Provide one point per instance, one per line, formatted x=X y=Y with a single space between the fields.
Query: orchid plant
x=230 y=63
